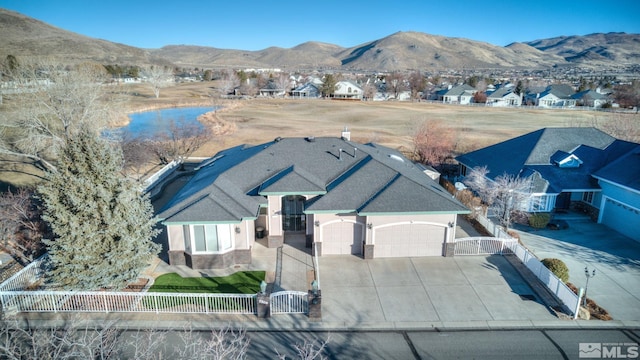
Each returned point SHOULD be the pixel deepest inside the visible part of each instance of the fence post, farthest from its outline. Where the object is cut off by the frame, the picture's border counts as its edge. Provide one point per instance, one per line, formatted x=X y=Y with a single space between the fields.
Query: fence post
x=577 y=308
x=104 y=301
x=155 y=302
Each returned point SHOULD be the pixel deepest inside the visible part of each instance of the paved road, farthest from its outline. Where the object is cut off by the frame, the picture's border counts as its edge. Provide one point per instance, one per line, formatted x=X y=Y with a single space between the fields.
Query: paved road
x=403 y=345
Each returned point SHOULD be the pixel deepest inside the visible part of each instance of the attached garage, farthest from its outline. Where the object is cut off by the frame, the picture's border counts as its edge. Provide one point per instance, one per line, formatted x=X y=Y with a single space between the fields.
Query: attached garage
x=618 y=216
x=409 y=240
x=342 y=238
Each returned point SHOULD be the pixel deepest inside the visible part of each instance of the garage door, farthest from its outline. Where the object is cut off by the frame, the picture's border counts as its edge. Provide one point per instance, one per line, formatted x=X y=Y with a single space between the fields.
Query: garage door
x=409 y=240
x=342 y=238
x=624 y=219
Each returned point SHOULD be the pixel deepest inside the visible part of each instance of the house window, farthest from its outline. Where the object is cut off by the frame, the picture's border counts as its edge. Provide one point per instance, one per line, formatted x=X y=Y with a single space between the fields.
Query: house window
x=206 y=239
x=588 y=197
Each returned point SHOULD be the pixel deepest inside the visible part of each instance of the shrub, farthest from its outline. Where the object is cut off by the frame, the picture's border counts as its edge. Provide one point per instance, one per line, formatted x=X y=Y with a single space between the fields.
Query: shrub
x=539 y=220
x=558 y=268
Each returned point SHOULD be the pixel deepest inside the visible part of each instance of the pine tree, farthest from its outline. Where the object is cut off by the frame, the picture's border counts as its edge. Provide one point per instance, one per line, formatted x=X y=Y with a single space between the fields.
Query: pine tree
x=103 y=226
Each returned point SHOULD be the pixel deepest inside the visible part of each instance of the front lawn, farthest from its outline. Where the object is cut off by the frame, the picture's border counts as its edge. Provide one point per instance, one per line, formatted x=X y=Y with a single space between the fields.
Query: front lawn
x=242 y=282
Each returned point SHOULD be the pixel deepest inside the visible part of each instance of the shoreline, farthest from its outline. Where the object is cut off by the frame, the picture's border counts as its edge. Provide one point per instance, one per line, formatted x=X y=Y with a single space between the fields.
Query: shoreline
x=124 y=119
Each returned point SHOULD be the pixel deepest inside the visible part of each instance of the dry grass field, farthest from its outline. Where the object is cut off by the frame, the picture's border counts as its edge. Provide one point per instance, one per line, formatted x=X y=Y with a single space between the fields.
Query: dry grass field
x=389 y=123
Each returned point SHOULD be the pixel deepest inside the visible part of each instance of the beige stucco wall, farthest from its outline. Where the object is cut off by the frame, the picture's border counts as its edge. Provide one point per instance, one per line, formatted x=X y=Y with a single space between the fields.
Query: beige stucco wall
x=175 y=237
x=274 y=221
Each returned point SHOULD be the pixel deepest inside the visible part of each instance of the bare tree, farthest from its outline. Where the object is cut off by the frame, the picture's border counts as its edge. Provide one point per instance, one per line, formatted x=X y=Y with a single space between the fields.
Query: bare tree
x=138 y=154
x=369 y=90
x=395 y=83
x=628 y=95
x=220 y=344
x=503 y=195
x=308 y=350
x=53 y=104
x=180 y=142
x=434 y=143
x=417 y=84
x=228 y=82
x=21 y=224
x=158 y=77
x=284 y=82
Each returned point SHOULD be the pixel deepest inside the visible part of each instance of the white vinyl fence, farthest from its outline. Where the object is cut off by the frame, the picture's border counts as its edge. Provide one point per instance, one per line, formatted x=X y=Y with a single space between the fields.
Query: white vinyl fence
x=570 y=299
x=102 y=301
x=26 y=277
x=559 y=288
x=167 y=170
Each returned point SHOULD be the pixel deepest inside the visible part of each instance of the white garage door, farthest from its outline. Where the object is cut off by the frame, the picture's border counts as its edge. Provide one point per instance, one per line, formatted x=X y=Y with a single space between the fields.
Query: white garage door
x=409 y=240
x=342 y=238
x=622 y=218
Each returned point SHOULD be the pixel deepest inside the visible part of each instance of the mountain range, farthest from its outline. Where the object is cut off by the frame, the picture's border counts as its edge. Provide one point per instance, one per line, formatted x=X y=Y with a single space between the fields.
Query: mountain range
x=23 y=36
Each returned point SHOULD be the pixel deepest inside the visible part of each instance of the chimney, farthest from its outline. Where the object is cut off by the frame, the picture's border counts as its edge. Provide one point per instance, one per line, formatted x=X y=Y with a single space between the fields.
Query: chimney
x=346 y=134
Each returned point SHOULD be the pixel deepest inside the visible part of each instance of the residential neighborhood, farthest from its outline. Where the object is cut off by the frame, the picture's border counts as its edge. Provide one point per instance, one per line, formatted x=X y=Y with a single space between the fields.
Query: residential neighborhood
x=414 y=196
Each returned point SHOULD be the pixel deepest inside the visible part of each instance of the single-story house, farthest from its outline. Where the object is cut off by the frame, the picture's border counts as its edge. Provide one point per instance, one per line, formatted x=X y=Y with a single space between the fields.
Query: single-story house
x=347 y=198
x=307 y=91
x=347 y=90
x=556 y=95
x=590 y=98
x=503 y=96
x=581 y=167
x=461 y=94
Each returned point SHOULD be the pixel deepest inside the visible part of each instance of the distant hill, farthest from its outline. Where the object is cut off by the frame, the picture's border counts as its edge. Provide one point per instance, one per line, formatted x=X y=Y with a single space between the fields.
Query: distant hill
x=25 y=36
x=594 y=49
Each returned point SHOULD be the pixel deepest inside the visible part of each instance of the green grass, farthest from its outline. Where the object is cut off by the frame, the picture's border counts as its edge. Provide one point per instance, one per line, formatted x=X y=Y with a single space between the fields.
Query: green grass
x=242 y=282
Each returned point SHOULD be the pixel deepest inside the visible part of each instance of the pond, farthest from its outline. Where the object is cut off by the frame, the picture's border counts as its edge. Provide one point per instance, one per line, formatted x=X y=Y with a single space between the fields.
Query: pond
x=149 y=124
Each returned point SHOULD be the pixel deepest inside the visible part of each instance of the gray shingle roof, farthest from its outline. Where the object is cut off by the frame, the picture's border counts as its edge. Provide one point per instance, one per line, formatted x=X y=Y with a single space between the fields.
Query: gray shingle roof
x=625 y=171
x=365 y=178
x=536 y=153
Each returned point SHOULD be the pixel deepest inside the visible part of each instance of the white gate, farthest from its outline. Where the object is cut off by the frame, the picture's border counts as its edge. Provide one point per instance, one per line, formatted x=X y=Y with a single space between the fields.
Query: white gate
x=289 y=302
x=482 y=245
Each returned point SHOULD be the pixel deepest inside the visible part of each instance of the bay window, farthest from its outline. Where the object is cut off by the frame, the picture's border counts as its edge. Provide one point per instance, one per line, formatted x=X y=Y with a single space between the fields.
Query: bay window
x=207 y=238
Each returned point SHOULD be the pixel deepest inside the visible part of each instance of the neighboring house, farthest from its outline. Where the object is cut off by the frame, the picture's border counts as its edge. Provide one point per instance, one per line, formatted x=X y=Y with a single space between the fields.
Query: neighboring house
x=620 y=195
x=461 y=94
x=347 y=198
x=590 y=98
x=556 y=95
x=308 y=90
x=503 y=96
x=569 y=167
x=347 y=90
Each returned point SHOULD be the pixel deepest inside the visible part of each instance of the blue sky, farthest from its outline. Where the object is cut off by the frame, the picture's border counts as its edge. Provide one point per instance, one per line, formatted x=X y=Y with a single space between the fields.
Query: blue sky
x=255 y=25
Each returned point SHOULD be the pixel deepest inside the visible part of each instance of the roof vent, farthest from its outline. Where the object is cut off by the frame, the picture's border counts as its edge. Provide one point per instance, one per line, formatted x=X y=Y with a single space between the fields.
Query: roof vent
x=396 y=157
x=346 y=134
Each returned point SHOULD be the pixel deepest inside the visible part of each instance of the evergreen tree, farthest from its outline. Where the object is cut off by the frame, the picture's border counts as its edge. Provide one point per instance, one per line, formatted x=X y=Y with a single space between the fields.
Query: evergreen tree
x=103 y=226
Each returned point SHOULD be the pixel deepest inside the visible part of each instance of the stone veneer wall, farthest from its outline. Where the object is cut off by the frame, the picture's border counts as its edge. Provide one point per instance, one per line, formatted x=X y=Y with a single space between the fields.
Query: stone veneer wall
x=210 y=261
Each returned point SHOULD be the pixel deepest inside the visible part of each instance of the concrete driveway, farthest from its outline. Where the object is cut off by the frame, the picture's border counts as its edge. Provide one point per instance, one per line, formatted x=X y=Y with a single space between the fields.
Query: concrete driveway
x=416 y=292
x=616 y=258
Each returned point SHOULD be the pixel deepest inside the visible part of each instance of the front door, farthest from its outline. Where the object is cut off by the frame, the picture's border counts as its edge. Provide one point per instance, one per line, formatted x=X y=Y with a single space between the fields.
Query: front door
x=293 y=217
